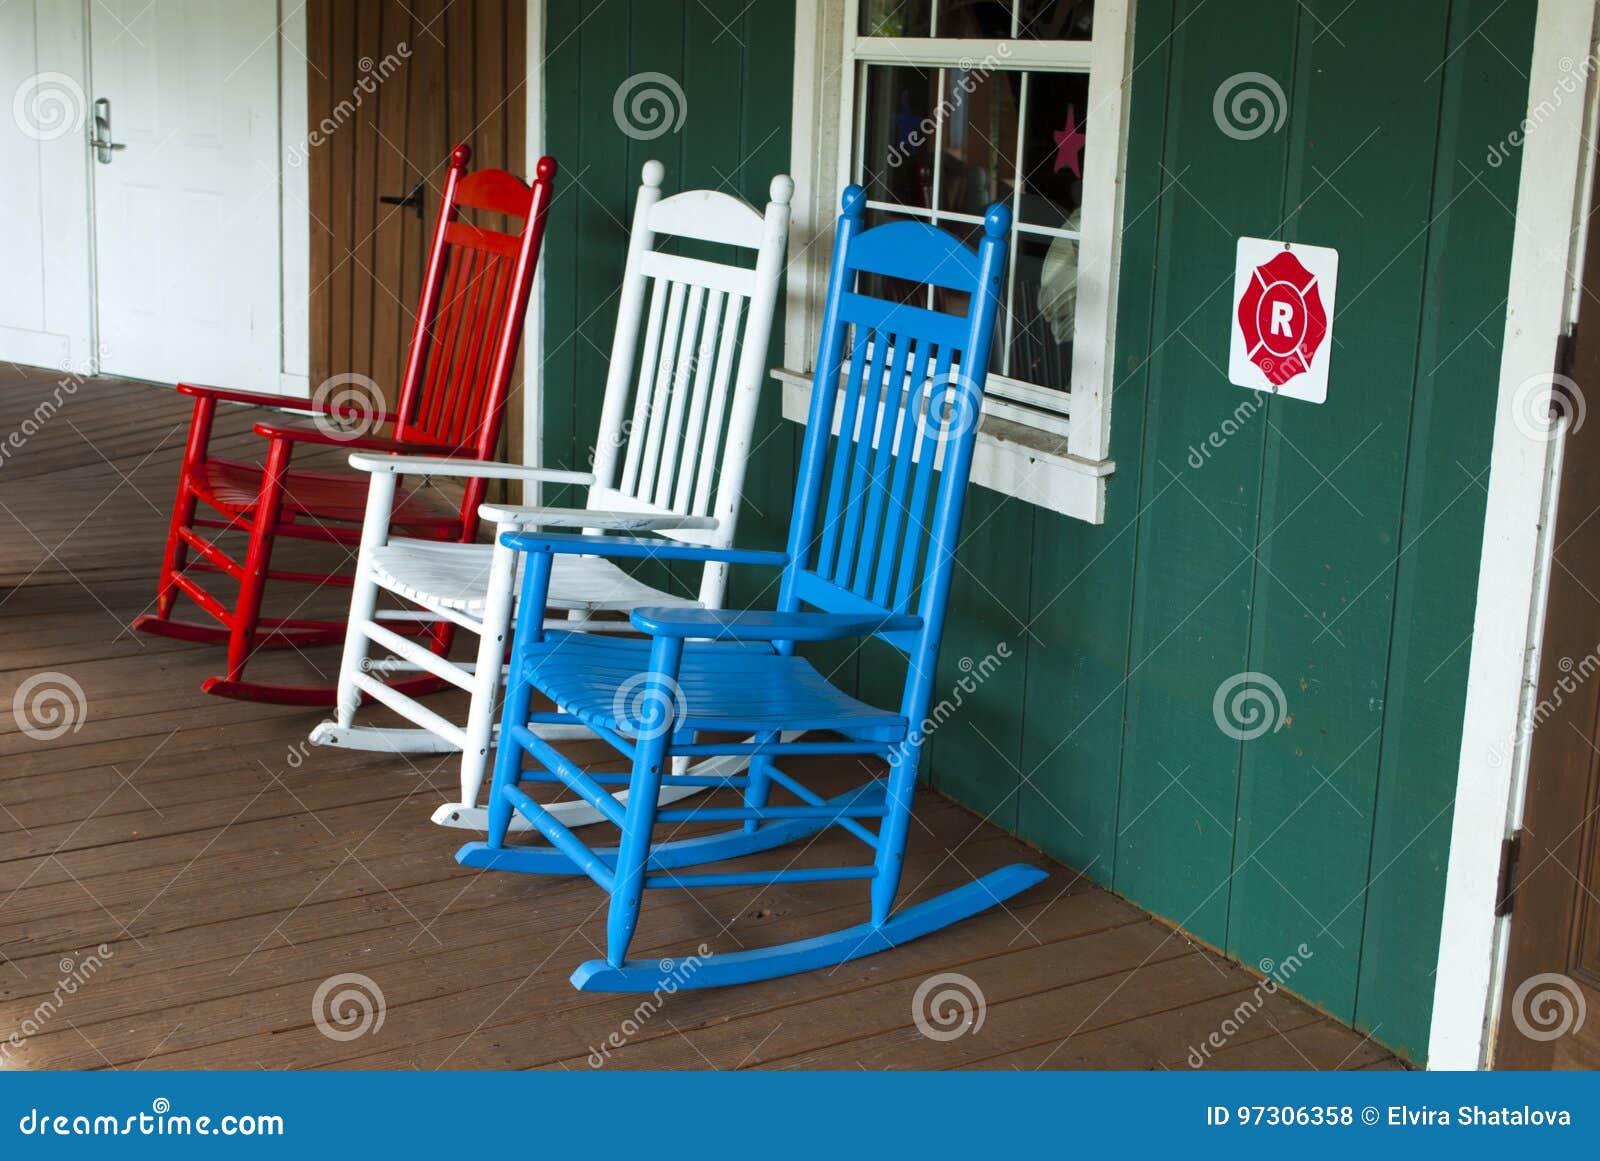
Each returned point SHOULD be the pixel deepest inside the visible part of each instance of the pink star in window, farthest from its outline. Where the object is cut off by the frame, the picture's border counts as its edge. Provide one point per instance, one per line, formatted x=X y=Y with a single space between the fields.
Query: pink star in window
x=1069 y=144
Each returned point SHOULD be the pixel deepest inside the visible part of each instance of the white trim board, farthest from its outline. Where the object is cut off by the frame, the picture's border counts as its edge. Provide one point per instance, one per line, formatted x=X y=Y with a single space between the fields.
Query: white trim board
x=532 y=450
x=1471 y=944
x=295 y=201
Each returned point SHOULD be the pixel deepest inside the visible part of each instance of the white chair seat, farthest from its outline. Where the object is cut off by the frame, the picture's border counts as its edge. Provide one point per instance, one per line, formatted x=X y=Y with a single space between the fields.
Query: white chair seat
x=456 y=576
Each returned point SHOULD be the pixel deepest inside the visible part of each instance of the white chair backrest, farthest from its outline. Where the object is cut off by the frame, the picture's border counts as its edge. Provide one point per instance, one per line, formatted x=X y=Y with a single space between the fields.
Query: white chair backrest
x=679 y=409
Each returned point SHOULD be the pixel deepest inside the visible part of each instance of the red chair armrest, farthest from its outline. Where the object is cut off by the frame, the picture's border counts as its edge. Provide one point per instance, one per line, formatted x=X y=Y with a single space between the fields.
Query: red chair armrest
x=254 y=398
x=300 y=431
x=260 y=399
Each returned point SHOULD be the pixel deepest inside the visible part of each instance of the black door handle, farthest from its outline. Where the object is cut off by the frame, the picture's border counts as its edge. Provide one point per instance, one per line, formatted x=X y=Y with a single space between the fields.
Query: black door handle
x=413 y=200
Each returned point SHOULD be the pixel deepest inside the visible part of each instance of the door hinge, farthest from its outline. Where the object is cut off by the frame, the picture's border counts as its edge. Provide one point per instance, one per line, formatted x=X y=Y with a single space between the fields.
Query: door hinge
x=1505 y=895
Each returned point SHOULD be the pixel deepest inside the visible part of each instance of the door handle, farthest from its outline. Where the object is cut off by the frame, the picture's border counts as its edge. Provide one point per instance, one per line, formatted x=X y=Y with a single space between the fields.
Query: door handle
x=412 y=200
x=100 y=133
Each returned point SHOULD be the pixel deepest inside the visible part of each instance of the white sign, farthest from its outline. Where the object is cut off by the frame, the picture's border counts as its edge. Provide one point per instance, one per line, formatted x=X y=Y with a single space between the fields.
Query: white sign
x=1282 y=323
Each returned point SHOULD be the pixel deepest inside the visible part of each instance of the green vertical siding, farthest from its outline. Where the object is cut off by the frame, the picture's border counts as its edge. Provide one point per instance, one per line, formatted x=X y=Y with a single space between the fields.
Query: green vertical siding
x=1332 y=548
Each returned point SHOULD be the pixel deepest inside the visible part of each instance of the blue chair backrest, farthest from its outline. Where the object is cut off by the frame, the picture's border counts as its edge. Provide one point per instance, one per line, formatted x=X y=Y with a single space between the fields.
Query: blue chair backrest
x=875 y=527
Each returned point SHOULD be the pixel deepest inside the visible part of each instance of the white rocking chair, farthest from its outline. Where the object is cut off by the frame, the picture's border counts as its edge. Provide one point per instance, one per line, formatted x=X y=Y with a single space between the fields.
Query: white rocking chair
x=675 y=431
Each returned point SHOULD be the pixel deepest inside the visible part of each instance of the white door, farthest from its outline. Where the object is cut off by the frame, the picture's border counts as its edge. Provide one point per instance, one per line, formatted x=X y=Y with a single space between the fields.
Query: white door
x=186 y=206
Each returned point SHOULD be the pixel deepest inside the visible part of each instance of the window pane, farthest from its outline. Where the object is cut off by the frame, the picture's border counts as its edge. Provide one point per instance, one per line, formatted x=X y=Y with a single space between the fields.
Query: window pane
x=980 y=139
x=1052 y=149
x=897 y=152
x=1055 y=19
x=1043 y=309
x=975 y=19
x=895 y=17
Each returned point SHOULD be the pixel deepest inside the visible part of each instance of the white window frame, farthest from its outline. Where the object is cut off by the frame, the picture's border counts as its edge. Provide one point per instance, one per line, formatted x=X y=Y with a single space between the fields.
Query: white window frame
x=1059 y=462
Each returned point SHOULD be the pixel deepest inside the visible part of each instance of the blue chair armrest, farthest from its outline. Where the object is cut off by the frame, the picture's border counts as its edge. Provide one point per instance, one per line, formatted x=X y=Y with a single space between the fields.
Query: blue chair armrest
x=650 y=547
x=752 y=625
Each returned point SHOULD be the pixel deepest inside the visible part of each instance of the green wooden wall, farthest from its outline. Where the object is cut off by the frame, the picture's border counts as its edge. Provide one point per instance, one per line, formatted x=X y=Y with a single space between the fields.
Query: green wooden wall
x=1331 y=548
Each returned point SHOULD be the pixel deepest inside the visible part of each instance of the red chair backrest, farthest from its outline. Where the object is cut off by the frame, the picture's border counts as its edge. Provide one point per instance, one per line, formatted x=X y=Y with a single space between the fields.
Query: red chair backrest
x=474 y=299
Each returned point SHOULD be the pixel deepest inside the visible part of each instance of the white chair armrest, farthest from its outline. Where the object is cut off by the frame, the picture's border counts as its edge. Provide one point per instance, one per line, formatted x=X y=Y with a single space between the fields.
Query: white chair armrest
x=481 y=469
x=528 y=517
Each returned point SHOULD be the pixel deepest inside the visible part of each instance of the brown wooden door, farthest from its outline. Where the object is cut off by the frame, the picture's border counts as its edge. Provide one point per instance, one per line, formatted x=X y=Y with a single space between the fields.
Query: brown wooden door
x=1550 y=1013
x=393 y=86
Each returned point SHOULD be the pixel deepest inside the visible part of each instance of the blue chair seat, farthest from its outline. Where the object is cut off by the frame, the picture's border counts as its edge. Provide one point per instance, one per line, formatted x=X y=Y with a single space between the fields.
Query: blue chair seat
x=725 y=685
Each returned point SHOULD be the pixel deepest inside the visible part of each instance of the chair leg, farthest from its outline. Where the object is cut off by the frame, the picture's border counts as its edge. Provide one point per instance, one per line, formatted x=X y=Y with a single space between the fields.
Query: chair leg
x=363 y=596
x=760 y=784
x=486 y=673
x=176 y=554
x=901 y=789
x=508 y=757
x=183 y=506
x=649 y=756
x=247 y=613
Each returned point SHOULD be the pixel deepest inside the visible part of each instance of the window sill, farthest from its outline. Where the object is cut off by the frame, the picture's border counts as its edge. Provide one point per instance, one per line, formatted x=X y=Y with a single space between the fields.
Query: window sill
x=1011 y=458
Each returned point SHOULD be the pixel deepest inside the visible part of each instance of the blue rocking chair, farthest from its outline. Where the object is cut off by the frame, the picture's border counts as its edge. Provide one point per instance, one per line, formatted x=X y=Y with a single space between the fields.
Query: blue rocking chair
x=865 y=549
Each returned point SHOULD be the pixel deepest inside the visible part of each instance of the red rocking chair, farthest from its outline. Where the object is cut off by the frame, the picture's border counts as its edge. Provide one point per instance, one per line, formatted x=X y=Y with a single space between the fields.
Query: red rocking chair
x=452 y=402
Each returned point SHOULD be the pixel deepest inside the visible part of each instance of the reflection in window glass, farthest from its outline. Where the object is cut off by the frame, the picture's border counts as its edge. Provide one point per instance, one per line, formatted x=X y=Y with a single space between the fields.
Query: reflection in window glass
x=1043 y=310
x=898 y=142
x=895 y=17
x=1055 y=19
x=975 y=19
x=1053 y=148
x=980 y=139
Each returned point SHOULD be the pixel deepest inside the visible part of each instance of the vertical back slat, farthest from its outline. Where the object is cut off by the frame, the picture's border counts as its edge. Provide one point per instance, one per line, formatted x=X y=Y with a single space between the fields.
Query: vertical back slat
x=877 y=487
x=848 y=408
x=905 y=441
x=726 y=358
x=447 y=338
x=643 y=390
x=682 y=374
x=871 y=415
x=928 y=428
x=656 y=417
x=464 y=397
x=704 y=365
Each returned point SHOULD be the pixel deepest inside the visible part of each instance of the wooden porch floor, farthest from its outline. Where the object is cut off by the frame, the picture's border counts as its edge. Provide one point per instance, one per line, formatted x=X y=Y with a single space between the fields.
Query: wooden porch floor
x=228 y=869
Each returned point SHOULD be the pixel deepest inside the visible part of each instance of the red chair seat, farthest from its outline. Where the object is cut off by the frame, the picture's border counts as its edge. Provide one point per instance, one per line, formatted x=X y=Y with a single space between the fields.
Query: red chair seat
x=235 y=488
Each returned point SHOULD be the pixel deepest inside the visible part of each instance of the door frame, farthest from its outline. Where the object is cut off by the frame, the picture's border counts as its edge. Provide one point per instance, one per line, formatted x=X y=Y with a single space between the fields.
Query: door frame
x=1551 y=211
